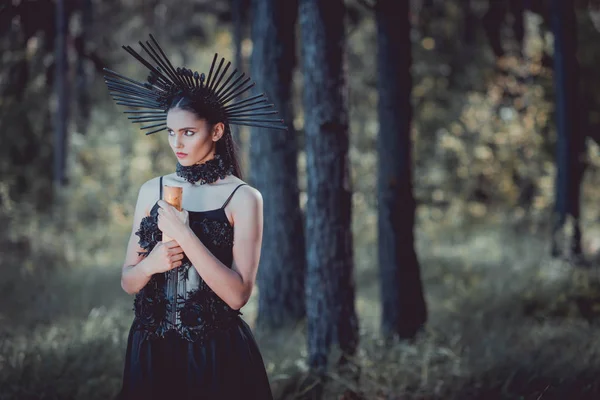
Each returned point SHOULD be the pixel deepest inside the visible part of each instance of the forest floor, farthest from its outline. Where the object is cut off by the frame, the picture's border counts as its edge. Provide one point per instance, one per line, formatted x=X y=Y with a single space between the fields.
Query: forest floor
x=505 y=322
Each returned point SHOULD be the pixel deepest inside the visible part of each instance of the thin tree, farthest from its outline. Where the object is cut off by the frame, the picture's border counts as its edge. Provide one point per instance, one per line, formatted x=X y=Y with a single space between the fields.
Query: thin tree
x=570 y=146
x=83 y=81
x=274 y=169
x=61 y=117
x=404 y=309
x=238 y=21
x=330 y=283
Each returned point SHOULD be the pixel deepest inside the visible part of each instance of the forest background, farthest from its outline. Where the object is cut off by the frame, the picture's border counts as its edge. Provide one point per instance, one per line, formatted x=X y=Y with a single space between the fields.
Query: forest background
x=506 y=316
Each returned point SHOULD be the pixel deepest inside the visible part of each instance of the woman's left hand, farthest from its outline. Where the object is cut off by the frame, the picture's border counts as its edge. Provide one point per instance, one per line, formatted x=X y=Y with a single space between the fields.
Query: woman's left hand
x=172 y=222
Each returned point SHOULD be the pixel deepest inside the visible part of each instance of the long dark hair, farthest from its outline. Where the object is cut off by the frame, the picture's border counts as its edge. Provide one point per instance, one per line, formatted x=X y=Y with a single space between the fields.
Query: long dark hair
x=226 y=146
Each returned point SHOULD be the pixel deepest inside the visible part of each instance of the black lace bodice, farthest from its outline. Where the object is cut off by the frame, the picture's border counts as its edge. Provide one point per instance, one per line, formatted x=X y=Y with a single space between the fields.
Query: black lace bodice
x=179 y=299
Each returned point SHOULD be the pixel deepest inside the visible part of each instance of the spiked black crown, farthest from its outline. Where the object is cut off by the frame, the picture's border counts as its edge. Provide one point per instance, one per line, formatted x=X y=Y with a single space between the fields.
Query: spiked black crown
x=165 y=83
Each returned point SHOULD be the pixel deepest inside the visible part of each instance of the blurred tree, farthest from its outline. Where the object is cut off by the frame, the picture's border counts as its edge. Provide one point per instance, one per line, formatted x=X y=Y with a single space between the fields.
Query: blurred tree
x=570 y=145
x=239 y=10
x=62 y=111
x=274 y=169
x=495 y=17
x=82 y=81
x=404 y=309
x=470 y=22
x=330 y=284
x=31 y=46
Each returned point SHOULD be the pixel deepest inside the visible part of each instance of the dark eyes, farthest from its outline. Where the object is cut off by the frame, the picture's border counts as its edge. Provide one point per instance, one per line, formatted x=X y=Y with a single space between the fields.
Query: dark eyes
x=186 y=133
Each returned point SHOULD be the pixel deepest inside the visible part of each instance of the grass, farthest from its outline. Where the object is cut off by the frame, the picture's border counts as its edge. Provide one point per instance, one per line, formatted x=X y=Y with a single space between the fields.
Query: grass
x=506 y=322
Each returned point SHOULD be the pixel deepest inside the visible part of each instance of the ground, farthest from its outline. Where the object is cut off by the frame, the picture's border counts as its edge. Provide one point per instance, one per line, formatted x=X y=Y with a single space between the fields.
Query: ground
x=505 y=322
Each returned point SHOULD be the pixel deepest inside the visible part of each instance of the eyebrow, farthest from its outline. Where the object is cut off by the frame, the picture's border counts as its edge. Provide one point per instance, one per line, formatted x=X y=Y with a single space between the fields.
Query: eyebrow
x=183 y=129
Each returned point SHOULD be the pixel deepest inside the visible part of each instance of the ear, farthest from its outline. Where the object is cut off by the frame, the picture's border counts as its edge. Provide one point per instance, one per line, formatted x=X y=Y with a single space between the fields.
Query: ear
x=218 y=131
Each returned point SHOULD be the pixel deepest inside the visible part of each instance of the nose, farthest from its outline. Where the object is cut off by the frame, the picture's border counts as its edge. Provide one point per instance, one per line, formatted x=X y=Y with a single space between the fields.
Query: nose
x=177 y=142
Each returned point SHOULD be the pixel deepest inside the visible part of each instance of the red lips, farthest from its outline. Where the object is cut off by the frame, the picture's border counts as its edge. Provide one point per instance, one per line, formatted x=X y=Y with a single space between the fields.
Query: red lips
x=181 y=155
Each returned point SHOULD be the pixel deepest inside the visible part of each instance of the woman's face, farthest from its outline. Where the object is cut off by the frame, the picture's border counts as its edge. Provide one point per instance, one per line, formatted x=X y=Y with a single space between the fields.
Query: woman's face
x=191 y=138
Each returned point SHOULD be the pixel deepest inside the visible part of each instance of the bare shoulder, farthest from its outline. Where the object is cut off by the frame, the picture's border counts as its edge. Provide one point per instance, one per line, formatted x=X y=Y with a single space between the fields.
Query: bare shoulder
x=151 y=188
x=247 y=199
x=149 y=193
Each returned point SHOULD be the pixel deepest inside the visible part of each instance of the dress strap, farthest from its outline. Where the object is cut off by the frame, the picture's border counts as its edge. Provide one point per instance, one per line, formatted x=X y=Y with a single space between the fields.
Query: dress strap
x=161 y=189
x=231 y=195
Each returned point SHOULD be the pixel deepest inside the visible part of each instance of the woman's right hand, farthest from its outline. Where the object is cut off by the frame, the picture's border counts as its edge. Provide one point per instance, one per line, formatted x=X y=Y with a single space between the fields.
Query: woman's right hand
x=164 y=257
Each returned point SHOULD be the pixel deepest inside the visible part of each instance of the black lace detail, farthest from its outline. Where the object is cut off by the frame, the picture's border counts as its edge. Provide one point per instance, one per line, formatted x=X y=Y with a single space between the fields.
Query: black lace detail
x=150 y=307
x=207 y=172
x=201 y=313
x=149 y=234
x=204 y=313
x=216 y=233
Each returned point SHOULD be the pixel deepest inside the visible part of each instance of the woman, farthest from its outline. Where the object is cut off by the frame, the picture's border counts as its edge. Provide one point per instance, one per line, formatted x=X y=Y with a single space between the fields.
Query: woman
x=187 y=340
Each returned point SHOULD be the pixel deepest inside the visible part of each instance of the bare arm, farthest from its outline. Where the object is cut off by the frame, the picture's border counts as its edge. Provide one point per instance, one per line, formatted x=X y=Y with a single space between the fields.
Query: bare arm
x=234 y=286
x=134 y=275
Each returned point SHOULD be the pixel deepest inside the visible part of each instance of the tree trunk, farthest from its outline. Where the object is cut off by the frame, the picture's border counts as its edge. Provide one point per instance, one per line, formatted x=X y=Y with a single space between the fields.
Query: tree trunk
x=238 y=9
x=470 y=22
x=274 y=169
x=570 y=146
x=492 y=25
x=517 y=9
x=60 y=137
x=83 y=83
x=404 y=309
x=330 y=283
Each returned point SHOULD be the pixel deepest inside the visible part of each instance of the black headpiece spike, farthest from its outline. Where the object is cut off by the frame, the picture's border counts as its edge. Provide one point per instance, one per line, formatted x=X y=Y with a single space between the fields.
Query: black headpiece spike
x=190 y=77
x=238 y=93
x=244 y=115
x=143 y=121
x=119 y=78
x=222 y=75
x=246 y=103
x=152 y=98
x=213 y=82
x=150 y=51
x=162 y=53
x=218 y=91
x=156 y=130
x=144 y=112
x=212 y=66
x=156 y=71
x=232 y=86
x=246 y=110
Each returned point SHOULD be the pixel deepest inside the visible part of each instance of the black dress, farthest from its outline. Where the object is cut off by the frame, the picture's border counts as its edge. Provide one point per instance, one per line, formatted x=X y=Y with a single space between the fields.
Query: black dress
x=185 y=342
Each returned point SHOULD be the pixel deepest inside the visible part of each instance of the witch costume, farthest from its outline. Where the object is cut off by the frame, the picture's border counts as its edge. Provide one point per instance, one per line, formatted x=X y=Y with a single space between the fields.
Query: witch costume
x=186 y=342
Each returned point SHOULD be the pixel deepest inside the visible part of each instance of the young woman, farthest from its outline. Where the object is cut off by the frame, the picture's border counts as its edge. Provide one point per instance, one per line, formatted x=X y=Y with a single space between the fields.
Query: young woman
x=187 y=340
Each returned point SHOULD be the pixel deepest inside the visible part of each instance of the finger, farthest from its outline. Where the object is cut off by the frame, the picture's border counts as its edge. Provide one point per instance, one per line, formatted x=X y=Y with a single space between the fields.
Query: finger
x=174 y=251
x=164 y=205
x=171 y=244
x=175 y=264
x=177 y=257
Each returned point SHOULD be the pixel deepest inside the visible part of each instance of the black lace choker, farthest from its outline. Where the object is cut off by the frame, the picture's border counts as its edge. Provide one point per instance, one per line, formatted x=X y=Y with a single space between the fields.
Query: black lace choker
x=207 y=172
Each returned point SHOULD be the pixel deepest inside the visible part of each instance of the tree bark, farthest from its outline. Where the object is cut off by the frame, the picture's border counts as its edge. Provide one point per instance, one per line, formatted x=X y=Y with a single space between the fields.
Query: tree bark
x=330 y=284
x=470 y=22
x=274 y=169
x=570 y=146
x=238 y=10
x=82 y=82
x=404 y=309
x=60 y=137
